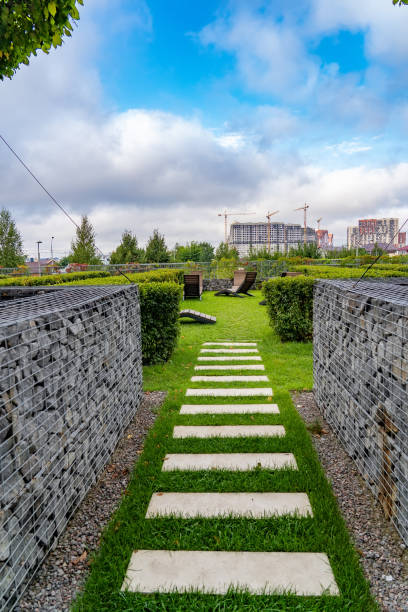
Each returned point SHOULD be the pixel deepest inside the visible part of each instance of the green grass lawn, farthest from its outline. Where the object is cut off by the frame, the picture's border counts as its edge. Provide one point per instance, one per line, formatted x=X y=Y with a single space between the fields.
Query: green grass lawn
x=289 y=366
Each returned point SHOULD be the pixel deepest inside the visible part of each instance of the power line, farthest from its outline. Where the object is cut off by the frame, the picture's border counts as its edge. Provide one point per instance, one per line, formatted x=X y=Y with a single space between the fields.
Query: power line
x=53 y=199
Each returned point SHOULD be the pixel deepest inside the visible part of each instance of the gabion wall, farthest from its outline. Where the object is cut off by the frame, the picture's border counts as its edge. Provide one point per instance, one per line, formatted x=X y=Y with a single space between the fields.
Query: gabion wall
x=360 y=382
x=70 y=382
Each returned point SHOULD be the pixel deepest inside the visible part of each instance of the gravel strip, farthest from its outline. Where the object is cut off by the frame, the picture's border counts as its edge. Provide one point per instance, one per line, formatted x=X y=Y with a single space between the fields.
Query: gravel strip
x=66 y=568
x=384 y=557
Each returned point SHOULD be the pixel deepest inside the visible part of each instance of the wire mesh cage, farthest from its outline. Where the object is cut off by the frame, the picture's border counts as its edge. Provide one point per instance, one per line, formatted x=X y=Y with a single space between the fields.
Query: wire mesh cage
x=70 y=382
x=361 y=382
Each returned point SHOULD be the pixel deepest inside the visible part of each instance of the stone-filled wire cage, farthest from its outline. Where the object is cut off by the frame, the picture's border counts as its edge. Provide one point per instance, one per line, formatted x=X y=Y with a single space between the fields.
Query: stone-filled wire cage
x=361 y=382
x=70 y=383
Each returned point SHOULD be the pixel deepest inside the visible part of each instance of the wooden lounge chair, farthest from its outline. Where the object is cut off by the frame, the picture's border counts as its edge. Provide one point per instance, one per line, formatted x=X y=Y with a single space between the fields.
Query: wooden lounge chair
x=197 y=316
x=193 y=285
x=248 y=279
x=291 y=274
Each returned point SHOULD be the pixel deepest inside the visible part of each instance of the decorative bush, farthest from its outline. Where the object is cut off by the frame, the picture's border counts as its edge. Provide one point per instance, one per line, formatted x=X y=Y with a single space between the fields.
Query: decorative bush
x=290 y=307
x=155 y=276
x=377 y=271
x=52 y=279
x=159 y=305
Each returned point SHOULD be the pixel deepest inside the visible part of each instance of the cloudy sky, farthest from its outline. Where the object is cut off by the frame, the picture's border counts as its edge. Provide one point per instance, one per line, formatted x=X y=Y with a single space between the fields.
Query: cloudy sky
x=159 y=114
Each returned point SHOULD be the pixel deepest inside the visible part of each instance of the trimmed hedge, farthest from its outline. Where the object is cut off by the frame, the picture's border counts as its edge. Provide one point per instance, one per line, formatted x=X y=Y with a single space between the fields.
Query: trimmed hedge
x=92 y=278
x=160 y=306
x=337 y=272
x=290 y=307
x=52 y=279
x=155 y=276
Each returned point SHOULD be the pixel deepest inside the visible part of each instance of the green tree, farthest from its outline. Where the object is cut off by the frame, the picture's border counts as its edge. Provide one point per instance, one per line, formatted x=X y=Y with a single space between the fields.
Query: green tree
x=11 y=244
x=127 y=251
x=27 y=26
x=156 y=249
x=224 y=251
x=309 y=249
x=195 y=251
x=84 y=247
x=400 y=2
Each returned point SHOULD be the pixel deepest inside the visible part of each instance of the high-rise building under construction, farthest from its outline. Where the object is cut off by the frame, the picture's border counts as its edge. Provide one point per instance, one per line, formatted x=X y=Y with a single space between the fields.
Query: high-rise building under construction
x=283 y=236
x=373 y=231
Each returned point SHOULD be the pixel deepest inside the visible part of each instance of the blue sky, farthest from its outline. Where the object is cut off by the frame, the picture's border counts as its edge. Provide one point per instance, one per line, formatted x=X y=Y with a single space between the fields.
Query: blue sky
x=159 y=114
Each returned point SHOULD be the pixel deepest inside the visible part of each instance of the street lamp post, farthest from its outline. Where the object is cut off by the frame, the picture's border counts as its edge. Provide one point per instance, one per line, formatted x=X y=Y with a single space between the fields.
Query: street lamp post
x=39 y=261
x=52 y=254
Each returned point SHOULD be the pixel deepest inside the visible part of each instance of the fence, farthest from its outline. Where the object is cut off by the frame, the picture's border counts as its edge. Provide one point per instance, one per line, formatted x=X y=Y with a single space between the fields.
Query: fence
x=70 y=382
x=211 y=270
x=361 y=382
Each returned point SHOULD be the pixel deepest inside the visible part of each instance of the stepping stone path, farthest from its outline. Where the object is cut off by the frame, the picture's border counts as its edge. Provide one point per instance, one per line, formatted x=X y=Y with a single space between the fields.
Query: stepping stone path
x=217 y=572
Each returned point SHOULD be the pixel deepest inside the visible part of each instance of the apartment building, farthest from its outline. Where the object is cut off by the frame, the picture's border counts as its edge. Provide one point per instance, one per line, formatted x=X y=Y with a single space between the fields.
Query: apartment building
x=373 y=231
x=284 y=236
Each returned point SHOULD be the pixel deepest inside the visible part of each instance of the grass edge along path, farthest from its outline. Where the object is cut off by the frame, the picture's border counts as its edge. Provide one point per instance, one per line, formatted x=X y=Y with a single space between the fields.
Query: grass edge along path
x=129 y=530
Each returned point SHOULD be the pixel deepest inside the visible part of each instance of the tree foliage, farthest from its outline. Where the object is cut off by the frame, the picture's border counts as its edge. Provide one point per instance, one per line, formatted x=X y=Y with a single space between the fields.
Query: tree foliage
x=156 y=249
x=27 y=26
x=194 y=251
x=310 y=249
x=11 y=244
x=400 y=2
x=127 y=251
x=84 y=247
x=224 y=251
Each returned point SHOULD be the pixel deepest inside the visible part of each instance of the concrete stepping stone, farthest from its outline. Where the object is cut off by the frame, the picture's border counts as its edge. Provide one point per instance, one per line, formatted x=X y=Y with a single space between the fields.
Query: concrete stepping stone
x=216 y=572
x=230 y=367
x=226 y=350
x=242 y=392
x=246 y=505
x=230 y=358
x=228 y=431
x=232 y=378
x=229 y=344
x=229 y=409
x=234 y=462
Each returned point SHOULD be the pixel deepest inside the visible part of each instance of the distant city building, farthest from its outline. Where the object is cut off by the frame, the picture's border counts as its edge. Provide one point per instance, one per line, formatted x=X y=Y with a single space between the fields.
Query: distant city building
x=324 y=239
x=373 y=231
x=284 y=236
x=402 y=239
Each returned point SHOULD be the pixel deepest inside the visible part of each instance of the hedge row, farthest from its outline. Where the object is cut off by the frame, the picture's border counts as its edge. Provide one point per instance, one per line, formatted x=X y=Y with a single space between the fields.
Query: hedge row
x=159 y=306
x=336 y=272
x=290 y=307
x=92 y=278
x=51 y=279
x=155 y=276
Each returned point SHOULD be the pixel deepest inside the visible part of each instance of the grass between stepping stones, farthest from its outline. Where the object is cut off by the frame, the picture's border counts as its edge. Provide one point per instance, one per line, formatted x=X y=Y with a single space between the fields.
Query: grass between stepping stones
x=289 y=366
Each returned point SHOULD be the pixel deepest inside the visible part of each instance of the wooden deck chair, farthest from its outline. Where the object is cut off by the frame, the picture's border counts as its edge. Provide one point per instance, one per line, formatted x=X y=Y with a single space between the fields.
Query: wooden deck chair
x=193 y=285
x=246 y=283
x=291 y=274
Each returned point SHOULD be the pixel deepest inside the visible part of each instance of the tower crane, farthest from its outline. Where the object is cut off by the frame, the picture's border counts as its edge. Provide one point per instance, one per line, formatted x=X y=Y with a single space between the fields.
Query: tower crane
x=318 y=222
x=268 y=216
x=226 y=214
x=304 y=208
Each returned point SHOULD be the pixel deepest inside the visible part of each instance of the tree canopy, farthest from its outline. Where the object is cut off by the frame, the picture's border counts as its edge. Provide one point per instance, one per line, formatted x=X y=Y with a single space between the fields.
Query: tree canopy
x=194 y=251
x=27 y=26
x=11 y=244
x=400 y=2
x=84 y=247
x=156 y=249
x=127 y=251
x=224 y=251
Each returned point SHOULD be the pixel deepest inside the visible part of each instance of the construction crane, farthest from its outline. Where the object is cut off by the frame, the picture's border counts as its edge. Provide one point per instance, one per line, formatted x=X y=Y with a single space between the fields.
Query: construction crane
x=304 y=208
x=268 y=216
x=226 y=214
x=318 y=222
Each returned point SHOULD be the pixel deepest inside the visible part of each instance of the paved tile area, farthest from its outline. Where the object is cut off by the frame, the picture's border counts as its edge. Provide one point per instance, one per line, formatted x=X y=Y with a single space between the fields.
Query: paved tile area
x=235 y=462
x=228 y=431
x=229 y=378
x=230 y=358
x=210 y=505
x=303 y=573
x=251 y=392
x=229 y=409
x=224 y=368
